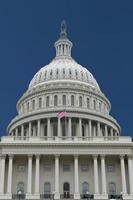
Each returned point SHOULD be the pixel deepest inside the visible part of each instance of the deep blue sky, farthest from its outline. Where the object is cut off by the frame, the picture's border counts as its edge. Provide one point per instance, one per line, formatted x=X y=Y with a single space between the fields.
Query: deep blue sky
x=102 y=34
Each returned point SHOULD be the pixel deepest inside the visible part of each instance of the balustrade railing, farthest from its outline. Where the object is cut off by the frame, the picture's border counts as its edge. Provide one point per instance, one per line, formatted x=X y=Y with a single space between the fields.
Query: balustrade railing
x=66 y=138
x=18 y=196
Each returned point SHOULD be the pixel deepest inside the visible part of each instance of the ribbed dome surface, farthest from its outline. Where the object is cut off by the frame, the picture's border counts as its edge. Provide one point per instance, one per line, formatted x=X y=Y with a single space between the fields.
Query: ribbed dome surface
x=63 y=68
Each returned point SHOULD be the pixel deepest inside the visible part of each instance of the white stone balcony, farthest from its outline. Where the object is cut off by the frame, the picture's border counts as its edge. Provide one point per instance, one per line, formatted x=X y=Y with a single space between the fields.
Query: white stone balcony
x=55 y=139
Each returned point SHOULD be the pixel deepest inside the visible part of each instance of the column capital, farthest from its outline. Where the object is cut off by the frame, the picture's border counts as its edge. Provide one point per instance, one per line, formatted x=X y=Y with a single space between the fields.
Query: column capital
x=122 y=156
x=95 y=156
x=103 y=156
x=57 y=155
x=75 y=155
x=11 y=156
x=30 y=155
x=37 y=156
x=3 y=156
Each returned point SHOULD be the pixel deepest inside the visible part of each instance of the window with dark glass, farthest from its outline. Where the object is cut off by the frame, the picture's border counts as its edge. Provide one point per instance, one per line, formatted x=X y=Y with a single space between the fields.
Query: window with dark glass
x=47 y=101
x=80 y=101
x=55 y=100
x=40 y=102
x=64 y=100
x=88 y=103
x=72 y=100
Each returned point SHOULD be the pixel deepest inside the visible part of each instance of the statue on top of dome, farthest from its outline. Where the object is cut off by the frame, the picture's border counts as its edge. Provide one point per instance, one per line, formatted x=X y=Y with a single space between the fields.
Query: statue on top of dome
x=63 y=33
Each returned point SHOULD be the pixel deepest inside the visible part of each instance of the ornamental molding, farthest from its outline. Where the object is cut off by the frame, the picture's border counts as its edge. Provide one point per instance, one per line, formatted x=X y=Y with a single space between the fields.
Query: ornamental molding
x=68 y=150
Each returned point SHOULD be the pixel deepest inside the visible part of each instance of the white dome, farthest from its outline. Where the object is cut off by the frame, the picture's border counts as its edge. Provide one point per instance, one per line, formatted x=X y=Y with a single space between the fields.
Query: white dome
x=63 y=68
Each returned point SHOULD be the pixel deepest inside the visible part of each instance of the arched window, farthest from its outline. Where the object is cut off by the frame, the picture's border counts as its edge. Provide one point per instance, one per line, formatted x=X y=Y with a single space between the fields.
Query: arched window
x=88 y=103
x=80 y=101
x=70 y=73
x=51 y=73
x=54 y=129
x=47 y=190
x=85 y=187
x=99 y=106
x=45 y=130
x=94 y=104
x=20 y=187
x=72 y=100
x=27 y=106
x=47 y=101
x=112 y=188
x=66 y=186
x=33 y=104
x=57 y=73
x=83 y=130
x=64 y=100
x=55 y=100
x=40 y=102
x=45 y=75
x=76 y=73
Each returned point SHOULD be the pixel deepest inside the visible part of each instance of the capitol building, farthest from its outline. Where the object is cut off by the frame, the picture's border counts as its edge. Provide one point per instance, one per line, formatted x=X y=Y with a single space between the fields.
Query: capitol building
x=63 y=143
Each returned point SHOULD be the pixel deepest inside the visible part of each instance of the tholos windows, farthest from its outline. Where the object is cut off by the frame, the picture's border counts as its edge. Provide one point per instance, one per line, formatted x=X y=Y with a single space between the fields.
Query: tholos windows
x=64 y=100
x=80 y=101
x=72 y=100
x=47 y=101
x=55 y=100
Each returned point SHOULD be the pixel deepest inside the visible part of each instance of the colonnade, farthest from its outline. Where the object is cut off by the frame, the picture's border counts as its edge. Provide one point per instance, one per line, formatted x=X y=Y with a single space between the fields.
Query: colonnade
x=83 y=128
x=57 y=175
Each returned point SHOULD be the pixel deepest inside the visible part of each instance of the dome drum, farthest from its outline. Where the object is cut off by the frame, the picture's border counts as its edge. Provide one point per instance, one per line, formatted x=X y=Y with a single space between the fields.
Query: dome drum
x=65 y=86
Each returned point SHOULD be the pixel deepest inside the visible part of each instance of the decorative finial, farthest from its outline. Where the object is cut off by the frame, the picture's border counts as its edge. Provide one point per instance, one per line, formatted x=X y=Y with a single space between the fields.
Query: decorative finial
x=63 y=33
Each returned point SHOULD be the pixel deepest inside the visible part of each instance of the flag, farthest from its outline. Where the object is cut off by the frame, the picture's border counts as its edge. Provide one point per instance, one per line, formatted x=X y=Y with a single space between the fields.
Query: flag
x=61 y=115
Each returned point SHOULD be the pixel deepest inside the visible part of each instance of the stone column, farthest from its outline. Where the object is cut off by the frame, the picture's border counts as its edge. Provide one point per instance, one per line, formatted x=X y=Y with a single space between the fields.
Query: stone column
x=96 y=181
x=29 y=181
x=106 y=131
x=57 y=194
x=22 y=130
x=37 y=175
x=48 y=128
x=29 y=129
x=86 y=130
x=98 y=129
x=10 y=171
x=16 y=132
x=59 y=127
x=94 y=131
x=90 y=128
x=2 y=174
x=80 y=127
x=69 y=127
x=130 y=172
x=111 y=131
x=76 y=178
x=38 y=127
x=123 y=175
x=103 y=174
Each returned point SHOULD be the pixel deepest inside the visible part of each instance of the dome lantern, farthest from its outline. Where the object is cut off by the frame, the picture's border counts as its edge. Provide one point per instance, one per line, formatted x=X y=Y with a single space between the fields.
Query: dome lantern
x=63 y=45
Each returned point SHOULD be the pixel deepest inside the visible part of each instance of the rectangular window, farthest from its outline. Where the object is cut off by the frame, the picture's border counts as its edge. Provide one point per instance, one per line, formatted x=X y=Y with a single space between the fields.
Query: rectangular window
x=66 y=167
x=21 y=168
x=111 y=168
x=84 y=167
x=47 y=167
